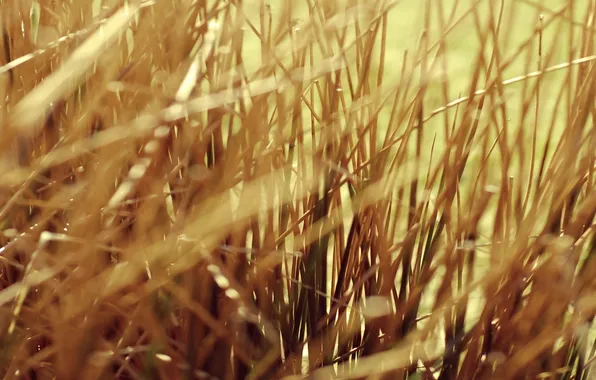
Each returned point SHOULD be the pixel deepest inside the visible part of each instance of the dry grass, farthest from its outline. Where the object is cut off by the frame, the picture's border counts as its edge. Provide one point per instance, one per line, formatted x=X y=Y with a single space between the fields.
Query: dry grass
x=222 y=189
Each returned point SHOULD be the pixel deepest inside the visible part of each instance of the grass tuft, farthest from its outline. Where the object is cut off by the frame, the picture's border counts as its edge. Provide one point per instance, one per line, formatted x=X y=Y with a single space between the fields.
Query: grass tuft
x=235 y=189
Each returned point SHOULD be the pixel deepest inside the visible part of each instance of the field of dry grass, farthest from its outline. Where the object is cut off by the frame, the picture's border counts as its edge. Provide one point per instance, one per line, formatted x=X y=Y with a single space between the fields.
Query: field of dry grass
x=235 y=189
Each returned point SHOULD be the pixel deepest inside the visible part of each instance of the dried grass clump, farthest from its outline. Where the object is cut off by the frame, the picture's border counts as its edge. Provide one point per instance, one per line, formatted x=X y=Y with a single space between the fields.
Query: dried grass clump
x=229 y=189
